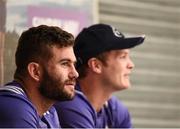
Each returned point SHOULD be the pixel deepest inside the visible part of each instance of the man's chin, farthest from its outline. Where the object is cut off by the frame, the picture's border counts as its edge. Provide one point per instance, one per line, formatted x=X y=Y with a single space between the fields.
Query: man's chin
x=65 y=99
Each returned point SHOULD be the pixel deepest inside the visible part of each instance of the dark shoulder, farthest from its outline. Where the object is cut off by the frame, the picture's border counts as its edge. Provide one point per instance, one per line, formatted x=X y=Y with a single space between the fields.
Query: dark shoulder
x=78 y=103
x=77 y=113
x=16 y=108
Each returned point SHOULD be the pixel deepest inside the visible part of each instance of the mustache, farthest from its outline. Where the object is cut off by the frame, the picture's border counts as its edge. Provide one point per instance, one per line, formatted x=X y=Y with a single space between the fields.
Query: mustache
x=70 y=81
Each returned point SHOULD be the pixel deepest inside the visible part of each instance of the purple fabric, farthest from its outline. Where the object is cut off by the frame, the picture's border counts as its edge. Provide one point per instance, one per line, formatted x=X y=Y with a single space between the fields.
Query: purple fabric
x=79 y=113
x=16 y=111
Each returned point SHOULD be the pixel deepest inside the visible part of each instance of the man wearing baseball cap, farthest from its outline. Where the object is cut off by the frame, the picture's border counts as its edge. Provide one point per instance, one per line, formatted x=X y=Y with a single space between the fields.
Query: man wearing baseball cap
x=104 y=66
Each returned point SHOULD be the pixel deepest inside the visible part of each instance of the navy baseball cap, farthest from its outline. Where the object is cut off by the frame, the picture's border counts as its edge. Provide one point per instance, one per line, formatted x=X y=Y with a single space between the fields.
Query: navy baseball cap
x=100 y=38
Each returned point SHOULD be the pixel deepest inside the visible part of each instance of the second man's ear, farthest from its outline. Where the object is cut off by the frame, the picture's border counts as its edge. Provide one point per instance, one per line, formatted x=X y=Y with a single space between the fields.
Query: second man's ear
x=34 y=70
x=95 y=65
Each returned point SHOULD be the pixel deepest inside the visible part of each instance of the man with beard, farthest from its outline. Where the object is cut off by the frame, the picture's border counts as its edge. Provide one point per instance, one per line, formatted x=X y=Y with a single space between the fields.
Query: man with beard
x=45 y=74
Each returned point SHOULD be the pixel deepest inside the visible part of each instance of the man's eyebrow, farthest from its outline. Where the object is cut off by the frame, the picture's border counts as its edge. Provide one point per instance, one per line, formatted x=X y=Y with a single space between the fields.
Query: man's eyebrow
x=124 y=52
x=119 y=52
x=67 y=60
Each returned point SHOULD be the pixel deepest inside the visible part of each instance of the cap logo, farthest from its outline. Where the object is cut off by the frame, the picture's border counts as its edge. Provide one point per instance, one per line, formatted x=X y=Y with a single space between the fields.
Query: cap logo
x=117 y=33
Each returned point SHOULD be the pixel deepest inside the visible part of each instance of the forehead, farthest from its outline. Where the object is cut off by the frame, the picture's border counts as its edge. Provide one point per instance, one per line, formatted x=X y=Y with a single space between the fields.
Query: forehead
x=63 y=53
x=119 y=52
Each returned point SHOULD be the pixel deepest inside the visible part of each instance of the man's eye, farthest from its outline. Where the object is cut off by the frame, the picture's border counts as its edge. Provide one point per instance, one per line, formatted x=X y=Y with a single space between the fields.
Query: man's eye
x=123 y=56
x=65 y=64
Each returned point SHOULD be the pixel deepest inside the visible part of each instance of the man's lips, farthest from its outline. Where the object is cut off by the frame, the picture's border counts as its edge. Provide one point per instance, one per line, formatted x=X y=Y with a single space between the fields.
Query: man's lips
x=127 y=75
x=70 y=83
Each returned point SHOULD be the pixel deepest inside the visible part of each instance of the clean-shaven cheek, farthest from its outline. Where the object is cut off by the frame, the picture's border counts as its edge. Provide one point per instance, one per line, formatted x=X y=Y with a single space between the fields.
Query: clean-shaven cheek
x=126 y=81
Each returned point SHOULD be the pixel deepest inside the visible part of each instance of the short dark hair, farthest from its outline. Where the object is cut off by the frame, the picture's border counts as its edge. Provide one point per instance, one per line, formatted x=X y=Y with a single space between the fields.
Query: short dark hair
x=34 y=44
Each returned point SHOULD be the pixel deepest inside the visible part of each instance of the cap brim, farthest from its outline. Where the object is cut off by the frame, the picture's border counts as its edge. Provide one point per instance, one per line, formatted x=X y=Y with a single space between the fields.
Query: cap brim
x=134 y=41
x=130 y=42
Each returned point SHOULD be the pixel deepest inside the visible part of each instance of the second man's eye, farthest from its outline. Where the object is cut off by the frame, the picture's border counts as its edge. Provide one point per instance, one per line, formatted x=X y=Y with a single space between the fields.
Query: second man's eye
x=65 y=63
x=122 y=56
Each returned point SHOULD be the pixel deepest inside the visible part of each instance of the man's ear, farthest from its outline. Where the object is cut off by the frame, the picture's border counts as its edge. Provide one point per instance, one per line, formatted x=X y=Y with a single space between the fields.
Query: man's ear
x=34 y=70
x=95 y=65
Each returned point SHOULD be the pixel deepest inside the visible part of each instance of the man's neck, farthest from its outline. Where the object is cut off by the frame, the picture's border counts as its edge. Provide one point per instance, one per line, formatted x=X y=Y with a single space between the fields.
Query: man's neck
x=96 y=95
x=41 y=103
